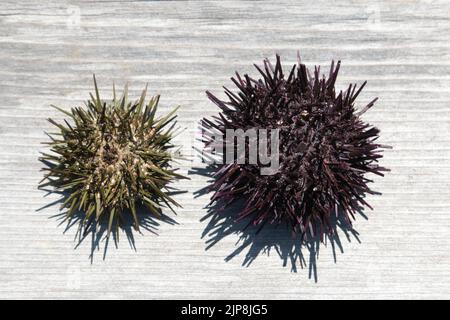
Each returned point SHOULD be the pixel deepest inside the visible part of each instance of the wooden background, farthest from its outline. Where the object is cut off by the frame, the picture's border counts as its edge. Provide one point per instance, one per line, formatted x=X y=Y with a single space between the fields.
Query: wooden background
x=48 y=53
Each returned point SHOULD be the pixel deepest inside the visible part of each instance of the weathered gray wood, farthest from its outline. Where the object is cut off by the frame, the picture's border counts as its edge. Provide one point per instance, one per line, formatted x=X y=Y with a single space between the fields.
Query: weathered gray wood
x=48 y=54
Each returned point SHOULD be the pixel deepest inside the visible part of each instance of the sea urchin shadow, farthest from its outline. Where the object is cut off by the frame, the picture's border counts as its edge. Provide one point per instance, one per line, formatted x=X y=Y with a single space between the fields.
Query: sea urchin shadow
x=97 y=233
x=293 y=251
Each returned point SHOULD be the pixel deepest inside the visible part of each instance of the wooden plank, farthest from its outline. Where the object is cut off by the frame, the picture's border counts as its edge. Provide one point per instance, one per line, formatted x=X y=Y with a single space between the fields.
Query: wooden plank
x=48 y=52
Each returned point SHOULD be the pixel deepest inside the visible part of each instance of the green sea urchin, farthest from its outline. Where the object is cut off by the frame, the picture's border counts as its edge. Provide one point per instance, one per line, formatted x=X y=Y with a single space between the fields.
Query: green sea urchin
x=111 y=158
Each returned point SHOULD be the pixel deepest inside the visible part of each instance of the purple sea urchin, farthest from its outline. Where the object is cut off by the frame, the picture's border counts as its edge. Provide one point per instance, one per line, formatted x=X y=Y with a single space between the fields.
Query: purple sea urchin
x=325 y=149
x=112 y=157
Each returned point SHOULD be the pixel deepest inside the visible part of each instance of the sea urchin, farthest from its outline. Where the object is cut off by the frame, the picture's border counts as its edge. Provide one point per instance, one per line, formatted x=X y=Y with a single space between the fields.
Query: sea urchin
x=112 y=158
x=325 y=149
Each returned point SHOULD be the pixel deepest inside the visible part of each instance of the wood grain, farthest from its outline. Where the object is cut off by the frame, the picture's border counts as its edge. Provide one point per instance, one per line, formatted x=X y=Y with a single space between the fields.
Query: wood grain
x=48 y=53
